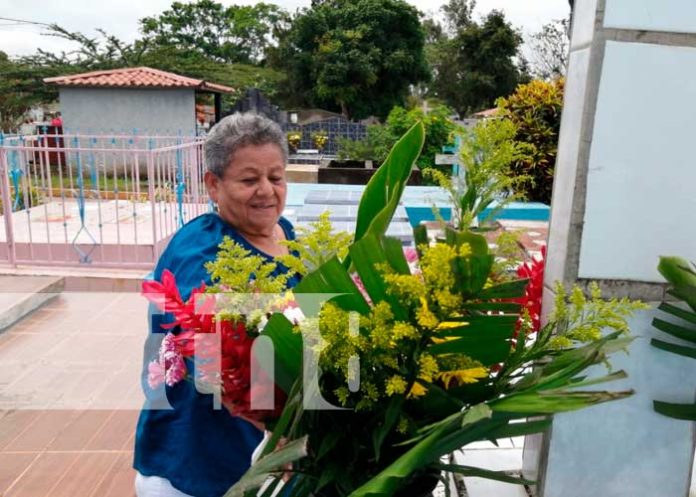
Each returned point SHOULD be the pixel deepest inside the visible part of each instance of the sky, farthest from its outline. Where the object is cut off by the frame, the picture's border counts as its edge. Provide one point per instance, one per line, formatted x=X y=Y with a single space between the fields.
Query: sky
x=121 y=18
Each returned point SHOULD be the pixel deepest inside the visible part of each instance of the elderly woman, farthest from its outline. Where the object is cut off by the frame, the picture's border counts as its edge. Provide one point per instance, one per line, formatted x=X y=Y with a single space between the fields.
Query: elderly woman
x=194 y=448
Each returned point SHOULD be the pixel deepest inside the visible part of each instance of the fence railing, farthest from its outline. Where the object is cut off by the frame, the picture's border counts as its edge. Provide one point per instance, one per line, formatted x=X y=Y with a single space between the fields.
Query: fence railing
x=108 y=201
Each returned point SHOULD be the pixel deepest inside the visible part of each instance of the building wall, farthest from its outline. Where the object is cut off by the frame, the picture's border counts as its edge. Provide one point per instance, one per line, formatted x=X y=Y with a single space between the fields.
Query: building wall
x=116 y=110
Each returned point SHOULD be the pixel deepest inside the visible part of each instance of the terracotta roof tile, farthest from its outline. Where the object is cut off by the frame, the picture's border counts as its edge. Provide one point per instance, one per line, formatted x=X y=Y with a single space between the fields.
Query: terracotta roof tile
x=135 y=77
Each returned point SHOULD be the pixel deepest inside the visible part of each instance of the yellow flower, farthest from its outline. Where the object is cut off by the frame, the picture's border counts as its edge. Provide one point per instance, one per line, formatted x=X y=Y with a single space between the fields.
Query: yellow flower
x=435 y=265
x=425 y=318
x=342 y=393
x=465 y=250
x=395 y=385
x=427 y=367
x=403 y=330
x=417 y=390
x=462 y=376
x=402 y=427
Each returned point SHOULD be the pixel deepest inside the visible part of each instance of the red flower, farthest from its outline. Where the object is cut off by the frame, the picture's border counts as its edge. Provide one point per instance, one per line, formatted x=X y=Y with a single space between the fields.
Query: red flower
x=221 y=349
x=531 y=301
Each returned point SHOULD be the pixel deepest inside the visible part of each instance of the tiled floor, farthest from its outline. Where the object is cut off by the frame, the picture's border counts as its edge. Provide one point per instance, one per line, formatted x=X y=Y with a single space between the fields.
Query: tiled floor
x=69 y=397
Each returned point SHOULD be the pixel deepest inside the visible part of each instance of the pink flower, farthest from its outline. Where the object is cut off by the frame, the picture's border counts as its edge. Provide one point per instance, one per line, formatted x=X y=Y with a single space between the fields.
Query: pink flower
x=169 y=367
x=358 y=282
x=410 y=254
x=155 y=374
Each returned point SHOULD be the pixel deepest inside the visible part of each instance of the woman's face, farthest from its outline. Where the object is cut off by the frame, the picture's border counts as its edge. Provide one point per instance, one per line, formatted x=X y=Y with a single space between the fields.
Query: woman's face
x=251 y=194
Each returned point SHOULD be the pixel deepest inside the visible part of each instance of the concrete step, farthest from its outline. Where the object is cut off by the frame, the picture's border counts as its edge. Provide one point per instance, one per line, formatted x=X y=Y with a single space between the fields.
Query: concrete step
x=21 y=295
x=401 y=230
x=341 y=212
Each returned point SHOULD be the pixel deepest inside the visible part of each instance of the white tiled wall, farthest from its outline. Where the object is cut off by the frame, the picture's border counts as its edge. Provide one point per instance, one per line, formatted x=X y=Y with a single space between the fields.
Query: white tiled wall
x=677 y=16
x=641 y=201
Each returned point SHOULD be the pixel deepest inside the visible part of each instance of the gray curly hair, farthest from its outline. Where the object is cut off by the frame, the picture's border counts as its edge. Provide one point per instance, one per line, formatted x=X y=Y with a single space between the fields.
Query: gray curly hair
x=236 y=131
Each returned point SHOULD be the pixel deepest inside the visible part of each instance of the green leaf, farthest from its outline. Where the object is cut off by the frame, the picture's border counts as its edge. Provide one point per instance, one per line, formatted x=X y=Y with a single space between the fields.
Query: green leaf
x=268 y=466
x=476 y=413
x=523 y=428
x=366 y=255
x=677 y=271
x=473 y=472
x=390 y=416
x=674 y=348
x=328 y=442
x=675 y=330
x=292 y=405
x=678 y=312
x=387 y=481
x=487 y=350
x=470 y=273
x=678 y=411
x=332 y=277
x=508 y=290
x=287 y=347
x=685 y=293
x=420 y=238
x=534 y=403
x=510 y=307
x=383 y=191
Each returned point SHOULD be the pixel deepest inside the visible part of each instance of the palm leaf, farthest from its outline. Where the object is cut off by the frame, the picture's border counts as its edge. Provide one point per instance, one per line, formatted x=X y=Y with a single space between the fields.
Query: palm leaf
x=682 y=350
x=268 y=467
x=331 y=278
x=678 y=331
x=473 y=472
x=686 y=412
x=383 y=191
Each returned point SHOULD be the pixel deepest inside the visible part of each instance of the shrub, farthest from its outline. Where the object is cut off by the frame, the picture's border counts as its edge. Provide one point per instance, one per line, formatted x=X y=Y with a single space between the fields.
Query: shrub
x=439 y=129
x=375 y=146
x=535 y=109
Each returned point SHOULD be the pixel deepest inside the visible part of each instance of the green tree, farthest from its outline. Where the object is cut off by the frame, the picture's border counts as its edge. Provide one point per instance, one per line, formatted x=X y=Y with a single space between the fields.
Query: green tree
x=235 y=34
x=475 y=63
x=357 y=57
x=22 y=86
x=548 y=50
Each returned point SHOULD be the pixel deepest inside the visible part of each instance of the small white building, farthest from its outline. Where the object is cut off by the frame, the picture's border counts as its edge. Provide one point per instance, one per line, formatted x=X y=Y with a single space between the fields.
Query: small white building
x=138 y=100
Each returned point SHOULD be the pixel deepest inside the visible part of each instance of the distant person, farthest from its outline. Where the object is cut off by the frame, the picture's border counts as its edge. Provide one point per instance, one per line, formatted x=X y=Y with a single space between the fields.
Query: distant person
x=27 y=128
x=57 y=120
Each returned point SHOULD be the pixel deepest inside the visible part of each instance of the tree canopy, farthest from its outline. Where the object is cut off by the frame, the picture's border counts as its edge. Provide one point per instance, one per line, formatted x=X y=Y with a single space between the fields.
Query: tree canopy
x=22 y=86
x=474 y=62
x=234 y=34
x=548 y=50
x=358 y=57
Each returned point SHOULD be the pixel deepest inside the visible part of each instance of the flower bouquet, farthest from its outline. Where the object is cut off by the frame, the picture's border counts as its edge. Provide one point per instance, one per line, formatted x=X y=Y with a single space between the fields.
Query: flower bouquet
x=320 y=138
x=294 y=138
x=381 y=366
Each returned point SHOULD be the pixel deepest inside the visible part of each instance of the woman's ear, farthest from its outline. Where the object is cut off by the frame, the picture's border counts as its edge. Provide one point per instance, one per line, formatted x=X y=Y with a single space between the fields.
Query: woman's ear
x=212 y=184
